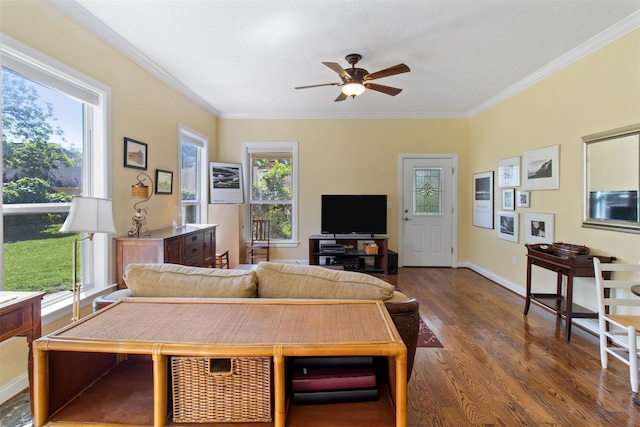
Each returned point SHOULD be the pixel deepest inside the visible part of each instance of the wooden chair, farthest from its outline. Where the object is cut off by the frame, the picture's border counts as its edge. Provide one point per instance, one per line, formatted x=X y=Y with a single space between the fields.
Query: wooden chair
x=222 y=260
x=258 y=249
x=618 y=328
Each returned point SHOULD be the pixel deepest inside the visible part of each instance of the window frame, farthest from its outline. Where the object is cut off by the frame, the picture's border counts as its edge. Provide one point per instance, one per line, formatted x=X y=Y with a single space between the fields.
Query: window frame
x=202 y=142
x=250 y=148
x=97 y=275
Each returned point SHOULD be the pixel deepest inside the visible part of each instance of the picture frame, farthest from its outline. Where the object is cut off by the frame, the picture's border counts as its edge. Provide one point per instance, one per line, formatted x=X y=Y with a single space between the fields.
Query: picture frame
x=538 y=227
x=226 y=183
x=523 y=199
x=483 y=199
x=509 y=172
x=508 y=199
x=541 y=168
x=507 y=226
x=135 y=154
x=164 y=182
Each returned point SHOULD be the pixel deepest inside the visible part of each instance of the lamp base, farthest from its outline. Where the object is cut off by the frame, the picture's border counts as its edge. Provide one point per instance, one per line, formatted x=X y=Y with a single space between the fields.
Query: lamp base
x=139 y=222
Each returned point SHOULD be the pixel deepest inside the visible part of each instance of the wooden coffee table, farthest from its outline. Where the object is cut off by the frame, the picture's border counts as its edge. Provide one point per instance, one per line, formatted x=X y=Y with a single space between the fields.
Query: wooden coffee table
x=71 y=363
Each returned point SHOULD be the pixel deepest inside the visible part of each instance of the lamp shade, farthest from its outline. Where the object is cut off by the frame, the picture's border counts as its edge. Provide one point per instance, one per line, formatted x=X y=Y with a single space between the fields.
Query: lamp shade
x=353 y=89
x=89 y=215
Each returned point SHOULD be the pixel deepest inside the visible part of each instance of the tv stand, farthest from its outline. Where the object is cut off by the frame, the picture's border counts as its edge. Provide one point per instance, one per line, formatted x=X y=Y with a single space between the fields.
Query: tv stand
x=352 y=255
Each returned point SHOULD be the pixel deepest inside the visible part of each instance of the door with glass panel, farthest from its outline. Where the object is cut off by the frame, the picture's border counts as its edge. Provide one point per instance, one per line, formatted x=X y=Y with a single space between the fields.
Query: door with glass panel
x=427 y=212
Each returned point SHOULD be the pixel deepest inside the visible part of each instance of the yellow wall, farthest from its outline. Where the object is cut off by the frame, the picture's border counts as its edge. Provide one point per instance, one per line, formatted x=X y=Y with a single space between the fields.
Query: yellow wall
x=597 y=93
x=350 y=156
x=143 y=108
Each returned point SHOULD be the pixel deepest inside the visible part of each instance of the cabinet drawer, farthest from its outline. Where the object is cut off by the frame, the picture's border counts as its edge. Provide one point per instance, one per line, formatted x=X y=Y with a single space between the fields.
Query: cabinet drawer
x=193 y=251
x=194 y=239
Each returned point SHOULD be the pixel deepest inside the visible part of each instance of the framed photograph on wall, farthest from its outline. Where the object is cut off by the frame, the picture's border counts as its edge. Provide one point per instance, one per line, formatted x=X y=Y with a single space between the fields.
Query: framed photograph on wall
x=538 y=227
x=164 y=182
x=135 y=154
x=509 y=172
x=508 y=199
x=541 y=168
x=226 y=183
x=523 y=199
x=483 y=199
x=507 y=226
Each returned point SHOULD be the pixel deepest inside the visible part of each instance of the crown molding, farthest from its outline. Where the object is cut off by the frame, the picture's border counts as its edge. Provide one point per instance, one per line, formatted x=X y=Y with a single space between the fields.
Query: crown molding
x=79 y=14
x=630 y=23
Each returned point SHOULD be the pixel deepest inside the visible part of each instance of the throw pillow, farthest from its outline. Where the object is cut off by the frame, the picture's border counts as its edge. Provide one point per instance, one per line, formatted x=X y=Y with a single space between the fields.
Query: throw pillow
x=172 y=280
x=276 y=280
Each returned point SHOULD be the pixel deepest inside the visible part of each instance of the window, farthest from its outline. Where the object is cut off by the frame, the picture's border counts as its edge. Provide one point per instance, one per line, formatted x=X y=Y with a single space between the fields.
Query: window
x=272 y=170
x=193 y=174
x=54 y=137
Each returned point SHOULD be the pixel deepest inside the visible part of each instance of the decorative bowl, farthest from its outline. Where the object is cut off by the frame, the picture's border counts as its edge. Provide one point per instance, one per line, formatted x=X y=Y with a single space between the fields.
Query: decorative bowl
x=567 y=250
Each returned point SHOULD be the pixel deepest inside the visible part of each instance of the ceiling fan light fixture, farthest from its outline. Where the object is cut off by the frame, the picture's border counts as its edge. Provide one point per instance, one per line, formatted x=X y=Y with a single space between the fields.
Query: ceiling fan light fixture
x=353 y=89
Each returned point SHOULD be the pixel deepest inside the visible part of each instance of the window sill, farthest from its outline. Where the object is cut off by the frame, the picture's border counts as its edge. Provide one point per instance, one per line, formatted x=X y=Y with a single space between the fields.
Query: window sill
x=62 y=306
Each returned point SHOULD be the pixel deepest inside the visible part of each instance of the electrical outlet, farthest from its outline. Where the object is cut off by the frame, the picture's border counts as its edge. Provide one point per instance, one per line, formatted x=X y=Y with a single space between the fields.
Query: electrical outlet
x=513 y=260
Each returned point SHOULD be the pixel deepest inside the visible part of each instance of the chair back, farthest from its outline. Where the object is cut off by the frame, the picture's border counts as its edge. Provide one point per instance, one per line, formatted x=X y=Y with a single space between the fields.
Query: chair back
x=260 y=231
x=614 y=293
x=618 y=319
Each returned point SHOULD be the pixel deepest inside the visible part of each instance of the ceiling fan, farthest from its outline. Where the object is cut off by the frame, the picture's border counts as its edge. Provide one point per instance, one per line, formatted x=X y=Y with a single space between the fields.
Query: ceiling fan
x=355 y=80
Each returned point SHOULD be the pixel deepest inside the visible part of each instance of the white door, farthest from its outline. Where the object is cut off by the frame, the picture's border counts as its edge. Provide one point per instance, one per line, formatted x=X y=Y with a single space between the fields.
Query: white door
x=427 y=212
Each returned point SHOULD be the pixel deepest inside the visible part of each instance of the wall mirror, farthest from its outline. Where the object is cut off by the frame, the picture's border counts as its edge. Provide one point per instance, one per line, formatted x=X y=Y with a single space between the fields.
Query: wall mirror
x=611 y=167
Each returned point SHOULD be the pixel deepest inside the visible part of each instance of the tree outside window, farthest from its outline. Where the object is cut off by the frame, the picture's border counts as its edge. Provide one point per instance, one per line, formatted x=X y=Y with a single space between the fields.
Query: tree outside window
x=272 y=182
x=40 y=169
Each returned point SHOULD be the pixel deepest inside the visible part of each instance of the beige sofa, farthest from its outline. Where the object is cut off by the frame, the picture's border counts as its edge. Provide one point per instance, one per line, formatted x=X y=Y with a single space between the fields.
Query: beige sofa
x=271 y=280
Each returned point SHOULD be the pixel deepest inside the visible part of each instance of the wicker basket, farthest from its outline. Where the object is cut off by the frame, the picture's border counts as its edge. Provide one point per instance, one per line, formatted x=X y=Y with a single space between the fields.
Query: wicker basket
x=209 y=390
x=371 y=249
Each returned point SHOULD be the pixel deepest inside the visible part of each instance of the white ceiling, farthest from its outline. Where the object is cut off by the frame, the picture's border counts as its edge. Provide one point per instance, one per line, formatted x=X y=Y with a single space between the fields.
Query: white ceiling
x=242 y=59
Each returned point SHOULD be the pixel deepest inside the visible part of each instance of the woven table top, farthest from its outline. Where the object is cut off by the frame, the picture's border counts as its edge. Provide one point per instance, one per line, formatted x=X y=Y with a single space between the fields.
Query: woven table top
x=234 y=322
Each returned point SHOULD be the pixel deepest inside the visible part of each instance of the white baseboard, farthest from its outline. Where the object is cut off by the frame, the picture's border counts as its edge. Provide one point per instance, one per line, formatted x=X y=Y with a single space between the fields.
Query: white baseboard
x=14 y=387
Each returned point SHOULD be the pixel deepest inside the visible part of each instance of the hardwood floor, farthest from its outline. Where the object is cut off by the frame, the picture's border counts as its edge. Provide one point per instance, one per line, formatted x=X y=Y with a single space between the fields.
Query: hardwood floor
x=501 y=368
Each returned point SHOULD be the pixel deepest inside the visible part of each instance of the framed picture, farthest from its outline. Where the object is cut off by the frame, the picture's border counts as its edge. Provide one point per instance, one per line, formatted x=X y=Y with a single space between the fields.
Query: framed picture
x=164 y=182
x=538 y=228
x=135 y=154
x=483 y=199
x=509 y=172
x=523 y=199
x=507 y=226
x=226 y=183
x=541 y=168
x=508 y=199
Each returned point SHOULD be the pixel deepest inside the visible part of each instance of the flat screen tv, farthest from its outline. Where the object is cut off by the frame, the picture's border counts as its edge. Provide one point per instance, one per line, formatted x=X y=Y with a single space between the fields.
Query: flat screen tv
x=352 y=213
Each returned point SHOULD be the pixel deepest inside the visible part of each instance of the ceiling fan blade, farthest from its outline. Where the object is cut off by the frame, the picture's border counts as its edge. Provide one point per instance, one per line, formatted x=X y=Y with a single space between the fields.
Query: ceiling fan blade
x=323 y=84
x=393 y=91
x=341 y=97
x=338 y=69
x=391 y=71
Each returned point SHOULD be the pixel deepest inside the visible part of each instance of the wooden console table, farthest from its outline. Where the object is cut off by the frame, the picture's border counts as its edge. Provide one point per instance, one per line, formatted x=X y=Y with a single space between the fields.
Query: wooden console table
x=572 y=266
x=20 y=315
x=110 y=368
x=193 y=245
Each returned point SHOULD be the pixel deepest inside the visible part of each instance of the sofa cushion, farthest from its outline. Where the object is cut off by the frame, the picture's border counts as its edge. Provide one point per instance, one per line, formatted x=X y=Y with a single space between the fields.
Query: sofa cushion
x=172 y=280
x=276 y=280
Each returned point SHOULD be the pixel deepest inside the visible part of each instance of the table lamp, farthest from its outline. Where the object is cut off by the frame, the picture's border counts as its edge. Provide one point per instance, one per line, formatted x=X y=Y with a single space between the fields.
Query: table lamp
x=87 y=215
x=142 y=193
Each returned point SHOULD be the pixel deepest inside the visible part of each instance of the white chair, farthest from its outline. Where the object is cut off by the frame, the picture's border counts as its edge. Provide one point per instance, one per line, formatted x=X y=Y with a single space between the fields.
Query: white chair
x=618 y=325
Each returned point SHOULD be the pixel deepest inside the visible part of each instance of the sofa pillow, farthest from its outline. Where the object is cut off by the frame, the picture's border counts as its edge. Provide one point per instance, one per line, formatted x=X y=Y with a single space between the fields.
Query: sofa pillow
x=276 y=280
x=172 y=280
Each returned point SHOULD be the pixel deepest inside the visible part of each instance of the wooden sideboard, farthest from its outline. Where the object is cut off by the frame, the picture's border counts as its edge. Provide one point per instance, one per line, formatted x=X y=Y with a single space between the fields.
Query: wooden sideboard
x=193 y=245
